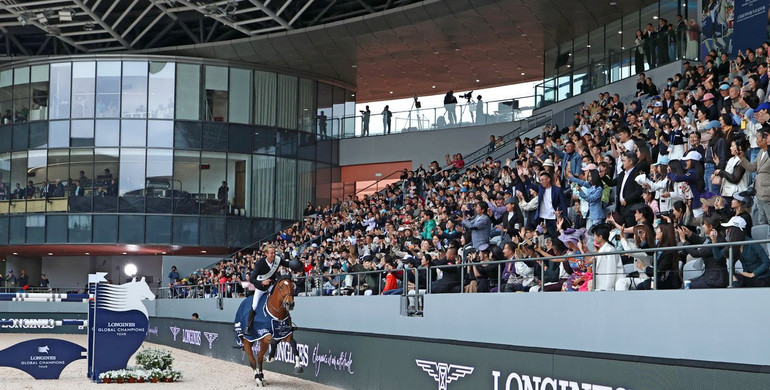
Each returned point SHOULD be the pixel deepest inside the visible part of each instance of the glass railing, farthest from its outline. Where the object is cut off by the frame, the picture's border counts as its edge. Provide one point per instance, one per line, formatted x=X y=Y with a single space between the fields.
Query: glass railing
x=662 y=50
x=463 y=114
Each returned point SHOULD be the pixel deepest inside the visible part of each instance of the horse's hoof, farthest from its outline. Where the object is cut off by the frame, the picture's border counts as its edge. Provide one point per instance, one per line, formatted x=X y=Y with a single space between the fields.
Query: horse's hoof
x=269 y=360
x=298 y=370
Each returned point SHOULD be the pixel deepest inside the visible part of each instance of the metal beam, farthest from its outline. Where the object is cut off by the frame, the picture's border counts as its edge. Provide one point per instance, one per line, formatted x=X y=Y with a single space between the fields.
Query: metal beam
x=149 y=26
x=45 y=43
x=211 y=31
x=10 y=37
x=283 y=7
x=367 y=6
x=271 y=14
x=301 y=11
x=135 y=22
x=125 y=12
x=161 y=34
x=322 y=13
x=216 y=17
x=97 y=19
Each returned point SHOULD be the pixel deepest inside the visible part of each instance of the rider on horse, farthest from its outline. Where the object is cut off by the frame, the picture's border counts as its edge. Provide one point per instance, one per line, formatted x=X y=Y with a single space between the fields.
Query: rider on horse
x=264 y=275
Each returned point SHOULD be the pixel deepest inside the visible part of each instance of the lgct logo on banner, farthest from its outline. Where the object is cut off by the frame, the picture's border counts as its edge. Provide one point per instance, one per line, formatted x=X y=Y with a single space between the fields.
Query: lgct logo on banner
x=444 y=373
x=174 y=330
x=211 y=337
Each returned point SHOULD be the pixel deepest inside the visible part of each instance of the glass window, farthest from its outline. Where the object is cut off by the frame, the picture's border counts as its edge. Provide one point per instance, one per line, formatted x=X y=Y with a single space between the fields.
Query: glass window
x=263 y=190
x=239 y=181
x=79 y=228
x=5 y=176
x=216 y=94
x=59 y=134
x=37 y=160
x=56 y=228
x=264 y=140
x=82 y=133
x=185 y=231
x=60 y=90
x=21 y=136
x=39 y=83
x=305 y=176
x=82 y=175
x=35 y=229
x=6 y=134
x=6 y=95
x=4 y=230
x=134 y=92
x=131 y=229
x=287 y=102
x=161 y=100
x=160 y=134
x=57 y=173
x=287 y=143
x=307 y=96
x=21 y=94
x=214 y=188
x=212 y=231
x=38 y=135
x=324 y=107
x=158 y=229
x=349 y=122
x=264 y=98
x=188 y=81
x=338 y=111
x=286 y=186
x=160 y=166
x=238 y=234
x=239 y=138
x=105 y=228
x=214 y=136
x=187 y=135
x=307 y=145
x=108 y=89
x=131 y=182
x=107 y=132
x=83 y=89
x=187 y=169
x=133 y=133
x=106 y=164
x=240 y=95
x=323 y=184
x=18 y=230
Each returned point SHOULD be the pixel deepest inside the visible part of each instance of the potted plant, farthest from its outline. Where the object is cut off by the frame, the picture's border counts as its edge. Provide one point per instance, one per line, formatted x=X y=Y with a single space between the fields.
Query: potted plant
x=154 y=358
x=141 y=375
x=120 y=376
x=155 y=375
x=106 y=377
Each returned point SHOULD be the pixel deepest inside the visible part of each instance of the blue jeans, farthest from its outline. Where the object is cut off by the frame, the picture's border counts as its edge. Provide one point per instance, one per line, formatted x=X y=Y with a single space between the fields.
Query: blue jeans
x=708 y=170
x=753 y=153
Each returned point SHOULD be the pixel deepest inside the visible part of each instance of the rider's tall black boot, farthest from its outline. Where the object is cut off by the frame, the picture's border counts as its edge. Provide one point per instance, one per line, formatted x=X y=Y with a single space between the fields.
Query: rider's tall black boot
x=251 y=322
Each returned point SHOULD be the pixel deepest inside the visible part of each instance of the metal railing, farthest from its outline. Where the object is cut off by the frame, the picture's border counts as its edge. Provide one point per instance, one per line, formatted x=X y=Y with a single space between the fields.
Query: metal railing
x=615 y=67
x=352 y=283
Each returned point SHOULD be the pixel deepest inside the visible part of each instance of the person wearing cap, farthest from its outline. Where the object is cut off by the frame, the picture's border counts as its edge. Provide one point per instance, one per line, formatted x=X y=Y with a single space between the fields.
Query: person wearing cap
x=762 y=181
x=740 y=206
x=694 y=177
x=591 y=191
x=724 y=103
x=753 y=257
x=711 y=108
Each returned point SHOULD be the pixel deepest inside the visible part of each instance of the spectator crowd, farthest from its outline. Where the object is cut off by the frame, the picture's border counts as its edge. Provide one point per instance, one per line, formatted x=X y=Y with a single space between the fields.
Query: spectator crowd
x=680 y=163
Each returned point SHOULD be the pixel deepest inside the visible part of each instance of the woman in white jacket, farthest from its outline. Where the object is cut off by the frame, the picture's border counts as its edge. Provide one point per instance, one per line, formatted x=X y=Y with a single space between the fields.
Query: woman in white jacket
x=734 y=176
x=643 y=238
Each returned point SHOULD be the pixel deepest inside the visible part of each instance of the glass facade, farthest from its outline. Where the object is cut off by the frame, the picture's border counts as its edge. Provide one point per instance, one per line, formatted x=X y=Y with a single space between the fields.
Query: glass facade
x=153 y=151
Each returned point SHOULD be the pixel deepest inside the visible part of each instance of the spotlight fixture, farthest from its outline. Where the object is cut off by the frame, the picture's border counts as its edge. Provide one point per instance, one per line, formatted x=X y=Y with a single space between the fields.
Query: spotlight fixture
x=65 y=15
x=41 y=17
x=22 y=19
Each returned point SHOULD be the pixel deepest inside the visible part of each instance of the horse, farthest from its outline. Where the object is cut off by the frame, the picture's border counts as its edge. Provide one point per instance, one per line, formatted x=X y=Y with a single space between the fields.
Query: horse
x=276 y=309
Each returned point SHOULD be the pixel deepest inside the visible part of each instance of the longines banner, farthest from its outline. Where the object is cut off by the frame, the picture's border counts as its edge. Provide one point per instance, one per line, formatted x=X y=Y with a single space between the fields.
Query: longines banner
x=37 y=328
x=365 y=362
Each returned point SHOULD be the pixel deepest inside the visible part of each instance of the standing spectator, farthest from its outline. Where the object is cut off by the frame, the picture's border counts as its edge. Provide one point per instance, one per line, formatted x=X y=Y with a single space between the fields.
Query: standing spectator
x=450 y=104
x=386 y=116
x=30 y=191
x=551 y=203
x=322 y=123
x=23 y=280
x=365 y=115
x=607 y=268
x=10 y=281
x=762 y=184
x=480 y=224
x=480 y=119
x=172 y=276
x=44 y=282
x=629 y=191
x=3 y=192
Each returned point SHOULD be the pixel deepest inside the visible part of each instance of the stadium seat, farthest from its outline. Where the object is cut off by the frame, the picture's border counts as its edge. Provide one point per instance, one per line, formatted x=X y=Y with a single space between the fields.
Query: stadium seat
x=761 y=232
x=693 y=269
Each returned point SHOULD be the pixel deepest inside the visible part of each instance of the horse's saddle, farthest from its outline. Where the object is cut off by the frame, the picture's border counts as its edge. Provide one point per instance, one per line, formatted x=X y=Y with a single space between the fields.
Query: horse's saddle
x=264 y=322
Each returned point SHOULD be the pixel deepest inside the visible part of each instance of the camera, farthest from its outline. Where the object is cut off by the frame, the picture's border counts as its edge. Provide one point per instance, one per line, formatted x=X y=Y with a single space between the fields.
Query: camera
x=467 y=96
x=663 y=214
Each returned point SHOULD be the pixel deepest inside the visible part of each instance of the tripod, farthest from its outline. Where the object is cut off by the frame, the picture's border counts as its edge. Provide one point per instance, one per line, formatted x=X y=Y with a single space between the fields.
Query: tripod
x=415 y=104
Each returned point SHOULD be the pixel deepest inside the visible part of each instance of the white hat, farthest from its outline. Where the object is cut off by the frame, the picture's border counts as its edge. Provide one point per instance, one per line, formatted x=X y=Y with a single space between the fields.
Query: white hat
x=548 y=162
x=693 y=155
x=736 y=221
x=540 y=141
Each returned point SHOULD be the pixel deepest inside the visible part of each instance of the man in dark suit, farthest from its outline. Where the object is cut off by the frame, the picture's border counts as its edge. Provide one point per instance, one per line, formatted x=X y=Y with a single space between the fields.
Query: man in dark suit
x=629 y=191
x=551 y=203
x=265 y=273
x=78 y=190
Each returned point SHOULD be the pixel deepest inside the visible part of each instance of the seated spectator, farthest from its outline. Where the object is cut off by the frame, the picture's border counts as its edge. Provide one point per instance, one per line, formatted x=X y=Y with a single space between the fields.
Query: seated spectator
x=668 y=276
x=756 y=264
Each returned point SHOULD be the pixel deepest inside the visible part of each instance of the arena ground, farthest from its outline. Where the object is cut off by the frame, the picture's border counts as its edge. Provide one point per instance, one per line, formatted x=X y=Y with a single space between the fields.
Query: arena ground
x=198 y=372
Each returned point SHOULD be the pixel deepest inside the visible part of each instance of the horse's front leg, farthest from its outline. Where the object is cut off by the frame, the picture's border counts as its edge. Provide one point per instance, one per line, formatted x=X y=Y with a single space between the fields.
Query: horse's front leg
x=297 y=366
x=273 y=349
x=250 y=353
x=259 y=376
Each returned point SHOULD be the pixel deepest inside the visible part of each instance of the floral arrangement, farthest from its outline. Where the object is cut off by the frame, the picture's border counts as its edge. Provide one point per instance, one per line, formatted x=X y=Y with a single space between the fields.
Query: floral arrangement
x=154 y=365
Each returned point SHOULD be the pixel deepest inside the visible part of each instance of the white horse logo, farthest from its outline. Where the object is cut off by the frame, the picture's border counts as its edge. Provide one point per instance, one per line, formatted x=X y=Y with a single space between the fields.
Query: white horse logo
x=43 y=349
x=125 y=297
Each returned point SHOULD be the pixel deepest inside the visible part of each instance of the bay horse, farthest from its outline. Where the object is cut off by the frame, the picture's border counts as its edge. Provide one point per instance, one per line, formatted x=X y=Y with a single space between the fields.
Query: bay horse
x=274 y=328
